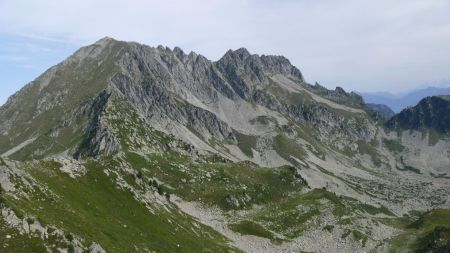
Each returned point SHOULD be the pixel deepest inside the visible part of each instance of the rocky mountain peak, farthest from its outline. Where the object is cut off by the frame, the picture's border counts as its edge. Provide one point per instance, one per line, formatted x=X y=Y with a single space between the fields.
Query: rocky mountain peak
x=179 y=52
x=340 y=90
x=269 y=63
x=246 y=72
x=242 y=53
x=104 y=40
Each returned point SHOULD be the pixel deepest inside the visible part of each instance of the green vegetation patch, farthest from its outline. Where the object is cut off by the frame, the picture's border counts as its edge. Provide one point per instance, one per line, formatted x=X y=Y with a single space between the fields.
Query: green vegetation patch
x=433 y=137
x=434 y=241
x=246 y=227
x=286 y=148
x=393 y=145
x=440 y=175
x=360 y=237
x=287 y=97
x=328 y=228
x=263 y=120
x=408 y=167
x=430 y=232
x=246 y=143
x=370 y=149
x=306 y=132
x=136 y=160
x=376 y=210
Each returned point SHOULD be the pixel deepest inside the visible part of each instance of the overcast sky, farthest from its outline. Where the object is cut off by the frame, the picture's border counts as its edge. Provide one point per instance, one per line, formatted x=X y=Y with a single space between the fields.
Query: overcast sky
x=362 y=45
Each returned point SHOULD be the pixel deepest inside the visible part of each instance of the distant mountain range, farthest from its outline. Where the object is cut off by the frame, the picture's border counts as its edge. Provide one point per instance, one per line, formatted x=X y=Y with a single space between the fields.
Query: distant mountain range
x=397 y=102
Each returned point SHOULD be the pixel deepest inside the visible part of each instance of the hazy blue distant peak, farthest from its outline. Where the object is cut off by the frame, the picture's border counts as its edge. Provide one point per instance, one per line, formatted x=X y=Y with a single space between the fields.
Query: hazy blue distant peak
x=397 y=102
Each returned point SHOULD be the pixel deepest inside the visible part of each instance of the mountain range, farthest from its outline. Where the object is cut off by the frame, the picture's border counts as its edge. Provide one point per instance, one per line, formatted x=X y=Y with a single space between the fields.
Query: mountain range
x=398 y=102
x=123 y=147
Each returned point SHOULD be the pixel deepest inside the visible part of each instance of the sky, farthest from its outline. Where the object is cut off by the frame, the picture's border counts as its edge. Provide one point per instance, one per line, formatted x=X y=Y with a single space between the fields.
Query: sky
x=361 y=45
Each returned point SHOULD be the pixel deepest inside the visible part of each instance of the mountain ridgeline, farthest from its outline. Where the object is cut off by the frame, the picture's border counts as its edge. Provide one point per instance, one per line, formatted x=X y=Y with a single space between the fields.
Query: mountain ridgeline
x=175 y=92
x=124 y=147
x=430 y=113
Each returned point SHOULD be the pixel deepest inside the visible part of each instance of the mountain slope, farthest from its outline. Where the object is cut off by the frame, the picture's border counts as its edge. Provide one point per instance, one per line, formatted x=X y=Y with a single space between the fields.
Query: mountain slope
x=153 y=149
x=430 y=112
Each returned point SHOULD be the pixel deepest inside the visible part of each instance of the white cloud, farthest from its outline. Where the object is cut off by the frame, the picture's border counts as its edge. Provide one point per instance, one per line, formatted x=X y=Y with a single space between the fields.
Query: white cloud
x=358 y=44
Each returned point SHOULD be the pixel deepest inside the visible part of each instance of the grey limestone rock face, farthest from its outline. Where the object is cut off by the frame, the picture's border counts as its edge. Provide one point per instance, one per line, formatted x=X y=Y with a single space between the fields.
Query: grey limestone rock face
x=183 y=94
x=163 y=85
x=96 y=248
x=160 y=83
x=245 y=72
x=98 y=140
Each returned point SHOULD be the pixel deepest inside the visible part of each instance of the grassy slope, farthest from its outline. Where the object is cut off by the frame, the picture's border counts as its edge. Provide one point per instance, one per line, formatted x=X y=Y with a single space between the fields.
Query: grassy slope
x=247 y=227
x=246 y=143
x=218 y=183
x=283 y=208
x=429 y=233
x=94 y=208
x=286 y=148
x=292 y=216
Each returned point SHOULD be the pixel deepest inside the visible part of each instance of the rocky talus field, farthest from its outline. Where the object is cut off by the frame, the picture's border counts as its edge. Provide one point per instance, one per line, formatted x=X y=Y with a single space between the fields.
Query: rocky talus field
x=124 y=147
